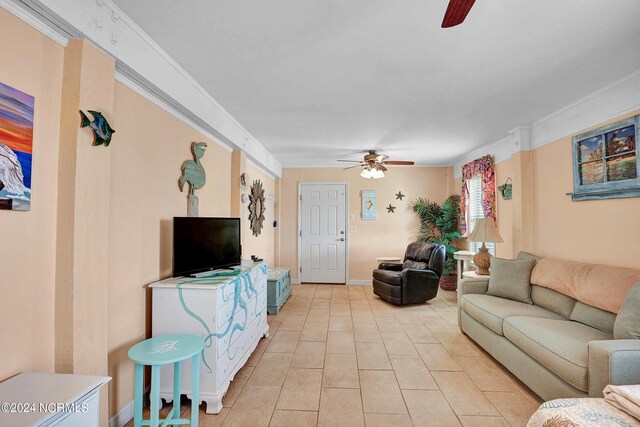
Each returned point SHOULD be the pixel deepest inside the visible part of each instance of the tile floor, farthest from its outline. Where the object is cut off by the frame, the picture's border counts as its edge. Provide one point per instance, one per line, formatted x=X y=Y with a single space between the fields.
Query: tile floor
x=340 y=356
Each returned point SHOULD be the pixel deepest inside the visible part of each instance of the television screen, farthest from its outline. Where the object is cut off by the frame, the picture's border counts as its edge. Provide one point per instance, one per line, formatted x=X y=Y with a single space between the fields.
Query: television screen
x=202 y=244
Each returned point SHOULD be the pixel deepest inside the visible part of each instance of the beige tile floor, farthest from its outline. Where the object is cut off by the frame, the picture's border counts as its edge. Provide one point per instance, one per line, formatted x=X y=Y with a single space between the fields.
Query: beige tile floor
x=340 y=356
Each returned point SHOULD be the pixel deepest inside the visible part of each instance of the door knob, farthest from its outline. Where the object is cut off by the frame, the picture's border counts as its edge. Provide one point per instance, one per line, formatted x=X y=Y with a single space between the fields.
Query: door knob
x=342 y=232
x=342 y=239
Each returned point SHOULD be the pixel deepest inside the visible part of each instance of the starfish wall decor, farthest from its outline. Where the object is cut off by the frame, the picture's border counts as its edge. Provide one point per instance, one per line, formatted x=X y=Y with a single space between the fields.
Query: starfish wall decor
x=391 y=209
x=399 y=195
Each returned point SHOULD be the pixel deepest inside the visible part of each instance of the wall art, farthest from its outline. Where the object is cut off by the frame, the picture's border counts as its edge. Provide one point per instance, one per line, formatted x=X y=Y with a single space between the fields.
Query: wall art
x=369 y=205
x=606 y=162
x=256 y=207
x=193 y=174
x=16 y=148
x=102 y=131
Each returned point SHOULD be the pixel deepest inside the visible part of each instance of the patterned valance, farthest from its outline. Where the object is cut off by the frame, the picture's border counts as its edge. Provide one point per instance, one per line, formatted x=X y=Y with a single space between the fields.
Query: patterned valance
x=482 y=167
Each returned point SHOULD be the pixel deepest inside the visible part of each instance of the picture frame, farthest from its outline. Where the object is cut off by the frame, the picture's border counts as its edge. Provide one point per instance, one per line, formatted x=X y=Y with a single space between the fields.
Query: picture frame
x=369 y=205
x=606 y=162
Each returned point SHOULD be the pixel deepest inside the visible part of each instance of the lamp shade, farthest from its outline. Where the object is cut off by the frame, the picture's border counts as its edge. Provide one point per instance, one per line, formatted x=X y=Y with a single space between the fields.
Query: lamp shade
x=373 y=173
x=485 y=231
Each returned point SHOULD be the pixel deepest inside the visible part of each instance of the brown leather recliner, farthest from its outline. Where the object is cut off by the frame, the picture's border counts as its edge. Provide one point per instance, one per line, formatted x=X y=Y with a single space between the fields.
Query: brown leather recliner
x=414 y=281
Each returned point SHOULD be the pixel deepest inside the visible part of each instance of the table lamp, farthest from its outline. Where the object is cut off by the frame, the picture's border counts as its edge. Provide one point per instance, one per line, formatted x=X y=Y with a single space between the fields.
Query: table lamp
x=484 y=231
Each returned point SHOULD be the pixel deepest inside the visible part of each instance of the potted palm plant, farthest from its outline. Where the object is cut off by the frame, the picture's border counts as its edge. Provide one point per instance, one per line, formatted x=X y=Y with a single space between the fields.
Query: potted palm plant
x=441 y=224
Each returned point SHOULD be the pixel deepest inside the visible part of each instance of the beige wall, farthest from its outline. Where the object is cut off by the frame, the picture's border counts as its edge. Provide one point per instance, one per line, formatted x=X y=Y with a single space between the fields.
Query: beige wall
x=600 y=231
x=147 y=152
x=33 y=64
x=386 y=236
x=264 y=245
x=504 y=211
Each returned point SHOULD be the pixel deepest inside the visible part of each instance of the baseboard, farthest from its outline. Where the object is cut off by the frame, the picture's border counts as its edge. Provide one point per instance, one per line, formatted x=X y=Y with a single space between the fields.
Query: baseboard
x=125 y=414
x=359 y=282
x=295 y=281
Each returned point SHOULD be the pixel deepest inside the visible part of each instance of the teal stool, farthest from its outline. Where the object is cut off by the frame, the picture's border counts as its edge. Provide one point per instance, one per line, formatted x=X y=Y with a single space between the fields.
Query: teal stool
x=159 y=351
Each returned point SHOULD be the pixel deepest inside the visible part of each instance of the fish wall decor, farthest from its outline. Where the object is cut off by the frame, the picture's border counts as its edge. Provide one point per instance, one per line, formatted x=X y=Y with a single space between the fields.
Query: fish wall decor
x=102 y=131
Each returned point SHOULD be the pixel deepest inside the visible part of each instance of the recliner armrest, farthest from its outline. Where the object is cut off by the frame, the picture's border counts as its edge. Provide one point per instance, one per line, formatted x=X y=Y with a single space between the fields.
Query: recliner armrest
x=408 y=274
x=390 y=266
x=614 y=362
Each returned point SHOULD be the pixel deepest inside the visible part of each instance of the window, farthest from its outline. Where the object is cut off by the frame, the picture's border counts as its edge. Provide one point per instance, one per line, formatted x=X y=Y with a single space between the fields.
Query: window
x=475 y=211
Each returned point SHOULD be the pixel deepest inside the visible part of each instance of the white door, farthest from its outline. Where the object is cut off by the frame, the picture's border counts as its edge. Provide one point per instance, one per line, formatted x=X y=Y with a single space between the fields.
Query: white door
x=323 y=236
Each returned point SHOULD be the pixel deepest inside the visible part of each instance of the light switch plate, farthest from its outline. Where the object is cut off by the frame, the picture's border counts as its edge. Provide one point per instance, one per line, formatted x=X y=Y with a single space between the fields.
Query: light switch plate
x=353 y=217
x=354 y=229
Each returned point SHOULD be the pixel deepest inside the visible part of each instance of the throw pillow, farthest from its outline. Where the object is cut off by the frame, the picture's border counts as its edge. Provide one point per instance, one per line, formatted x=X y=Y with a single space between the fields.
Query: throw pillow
x=627 y=325
x=510 y=278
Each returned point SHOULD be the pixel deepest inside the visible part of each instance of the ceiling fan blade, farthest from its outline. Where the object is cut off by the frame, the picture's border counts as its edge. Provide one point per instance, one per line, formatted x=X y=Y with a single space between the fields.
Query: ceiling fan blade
x=456 y=12
x=382 y=168
x=352 y=161
x=398 y=162
x=351 y=167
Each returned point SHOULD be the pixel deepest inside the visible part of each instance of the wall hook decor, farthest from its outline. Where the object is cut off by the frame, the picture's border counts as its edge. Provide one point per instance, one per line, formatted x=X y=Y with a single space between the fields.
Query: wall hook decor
x=193 y=174
x=102 y=131
x=391 y=209
x=506 y=189
x=399 y=195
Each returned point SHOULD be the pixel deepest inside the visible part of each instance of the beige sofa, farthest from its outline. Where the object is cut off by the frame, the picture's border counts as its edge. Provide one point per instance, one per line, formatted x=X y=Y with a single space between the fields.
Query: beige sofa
x=562 y=345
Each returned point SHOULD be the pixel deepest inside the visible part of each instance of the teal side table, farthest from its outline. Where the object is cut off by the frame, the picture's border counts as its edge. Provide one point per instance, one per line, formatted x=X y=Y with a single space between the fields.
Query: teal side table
x=158 y=351
x=278 y=288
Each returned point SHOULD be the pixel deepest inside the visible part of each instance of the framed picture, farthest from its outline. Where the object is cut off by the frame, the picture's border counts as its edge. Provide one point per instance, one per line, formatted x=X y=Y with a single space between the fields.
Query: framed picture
x=606 y=162
x=16 y=144
x=369 y=204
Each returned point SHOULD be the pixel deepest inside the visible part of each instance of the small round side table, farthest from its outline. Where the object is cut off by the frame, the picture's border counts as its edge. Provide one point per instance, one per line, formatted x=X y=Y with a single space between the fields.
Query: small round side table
x=158 y=351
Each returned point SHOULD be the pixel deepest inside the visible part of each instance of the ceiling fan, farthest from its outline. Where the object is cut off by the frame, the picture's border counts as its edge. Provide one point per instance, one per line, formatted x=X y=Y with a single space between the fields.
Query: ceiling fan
x=373 y=164
x=456 y=12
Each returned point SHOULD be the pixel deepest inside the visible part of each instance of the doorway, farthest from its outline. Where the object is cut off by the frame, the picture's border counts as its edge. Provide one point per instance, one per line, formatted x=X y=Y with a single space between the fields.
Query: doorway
x=322 y=234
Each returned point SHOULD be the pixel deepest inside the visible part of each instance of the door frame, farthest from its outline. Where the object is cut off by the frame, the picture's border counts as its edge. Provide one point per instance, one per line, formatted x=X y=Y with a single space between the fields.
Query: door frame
x=346 y=224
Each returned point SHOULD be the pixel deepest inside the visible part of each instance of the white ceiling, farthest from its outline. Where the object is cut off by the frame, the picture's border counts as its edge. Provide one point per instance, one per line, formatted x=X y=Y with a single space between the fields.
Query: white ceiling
x=320 y=80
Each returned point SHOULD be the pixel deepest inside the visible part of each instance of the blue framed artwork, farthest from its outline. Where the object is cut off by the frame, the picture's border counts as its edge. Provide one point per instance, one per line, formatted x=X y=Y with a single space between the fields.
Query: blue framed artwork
x=369 y=204
x=606 y=162
x=16 y=146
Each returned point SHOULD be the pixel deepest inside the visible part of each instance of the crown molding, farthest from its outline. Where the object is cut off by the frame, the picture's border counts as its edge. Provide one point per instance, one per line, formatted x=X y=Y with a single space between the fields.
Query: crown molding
x=144 y=62
x=614 y=100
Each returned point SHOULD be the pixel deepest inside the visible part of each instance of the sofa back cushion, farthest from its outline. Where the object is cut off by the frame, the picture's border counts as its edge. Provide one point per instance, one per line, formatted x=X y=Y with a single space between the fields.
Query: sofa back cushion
x=600 y=286
x=627 y=324
x=592 y=316
x=510 y=279
x=552 y=300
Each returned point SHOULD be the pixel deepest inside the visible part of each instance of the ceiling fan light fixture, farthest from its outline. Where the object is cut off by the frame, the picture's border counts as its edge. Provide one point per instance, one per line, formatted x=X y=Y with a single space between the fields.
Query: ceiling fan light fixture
x=372 y=173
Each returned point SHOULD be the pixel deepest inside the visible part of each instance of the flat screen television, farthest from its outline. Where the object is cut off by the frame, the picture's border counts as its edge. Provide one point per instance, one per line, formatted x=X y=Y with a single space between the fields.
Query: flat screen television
x=204 y=244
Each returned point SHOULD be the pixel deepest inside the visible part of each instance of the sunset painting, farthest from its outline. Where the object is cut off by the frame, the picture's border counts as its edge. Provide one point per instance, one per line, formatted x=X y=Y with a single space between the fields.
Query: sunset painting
x=16 y=143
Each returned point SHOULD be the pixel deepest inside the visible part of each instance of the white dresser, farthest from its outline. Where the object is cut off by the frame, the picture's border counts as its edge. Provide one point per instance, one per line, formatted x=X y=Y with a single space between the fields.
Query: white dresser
x=229 y=310
x=41 y=399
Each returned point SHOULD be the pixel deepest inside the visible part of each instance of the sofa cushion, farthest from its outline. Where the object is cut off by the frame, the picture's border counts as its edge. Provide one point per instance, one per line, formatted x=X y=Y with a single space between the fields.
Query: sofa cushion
x=627 y=324
x=562 y=346
x=387 y=276
x=600 y=286
x=593 y=317
x=552 y=300
x=491 y=311
x=510 y=278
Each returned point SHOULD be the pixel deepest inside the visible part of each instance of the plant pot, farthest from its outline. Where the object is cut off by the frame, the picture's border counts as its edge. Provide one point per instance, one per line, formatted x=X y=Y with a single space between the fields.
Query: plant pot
x=449 y=283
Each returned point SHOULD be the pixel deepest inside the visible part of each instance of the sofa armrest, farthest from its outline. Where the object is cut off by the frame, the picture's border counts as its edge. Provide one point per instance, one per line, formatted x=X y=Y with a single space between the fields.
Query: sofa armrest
x=614 y=362
x=390 y=266
x=470 y=285
x=473 y=285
